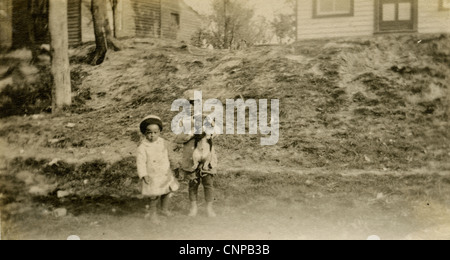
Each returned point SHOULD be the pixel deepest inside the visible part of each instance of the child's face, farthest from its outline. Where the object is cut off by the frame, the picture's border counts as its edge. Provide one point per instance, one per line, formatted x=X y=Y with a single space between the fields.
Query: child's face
x=153 y=132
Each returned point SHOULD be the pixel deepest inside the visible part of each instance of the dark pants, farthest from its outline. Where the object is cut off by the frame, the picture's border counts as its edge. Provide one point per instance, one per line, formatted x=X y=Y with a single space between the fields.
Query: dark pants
x=208 y=186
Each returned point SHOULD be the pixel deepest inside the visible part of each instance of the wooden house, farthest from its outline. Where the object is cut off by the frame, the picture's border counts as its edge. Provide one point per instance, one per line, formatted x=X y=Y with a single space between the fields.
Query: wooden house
x=342 y=18
x=169 y=19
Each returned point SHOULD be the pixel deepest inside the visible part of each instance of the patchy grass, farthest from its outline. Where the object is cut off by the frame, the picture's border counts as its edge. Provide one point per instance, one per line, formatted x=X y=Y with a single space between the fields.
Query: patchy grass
x=345 y=103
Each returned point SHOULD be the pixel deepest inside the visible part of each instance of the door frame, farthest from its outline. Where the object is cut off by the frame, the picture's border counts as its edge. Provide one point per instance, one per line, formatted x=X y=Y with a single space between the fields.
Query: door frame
x=415 y=17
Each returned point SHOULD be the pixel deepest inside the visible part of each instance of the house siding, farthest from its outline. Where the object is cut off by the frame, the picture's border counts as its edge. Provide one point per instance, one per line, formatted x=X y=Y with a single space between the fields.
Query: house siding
x=169 y=7
x=431 y=19
x=87 y=23
x=74 y=21
x=141 y=18
x=361 y=23
x=5 y=23
x=190 y=23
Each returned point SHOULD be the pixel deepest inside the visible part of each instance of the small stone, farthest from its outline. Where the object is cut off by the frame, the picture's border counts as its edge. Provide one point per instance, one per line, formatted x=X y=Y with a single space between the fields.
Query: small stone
x=114 y=210
x=103 y=152
x=85 y=182
x=53 y=162
x=70 y=125
x=54 y=141
x=373 y=238
x=367 y=158
x=62 y=193
x=309 y=182
x=73 y=237
x=22 y=151
x=380 y=196
x=36 y=117
x=39 y=191
x=60 y=212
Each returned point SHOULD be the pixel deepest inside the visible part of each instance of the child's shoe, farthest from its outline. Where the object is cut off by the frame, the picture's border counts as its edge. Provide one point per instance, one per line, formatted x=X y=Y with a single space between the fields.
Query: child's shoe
x=194 y=209
x=165 y=202
x=153 y=214
x=210 y=211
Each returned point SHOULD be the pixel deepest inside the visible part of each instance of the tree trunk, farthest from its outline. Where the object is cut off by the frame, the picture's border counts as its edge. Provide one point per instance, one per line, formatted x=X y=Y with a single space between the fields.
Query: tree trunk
x=225 y=37
x=117 y=14
x=104 y=38
x=98 y=8
x=61 y=90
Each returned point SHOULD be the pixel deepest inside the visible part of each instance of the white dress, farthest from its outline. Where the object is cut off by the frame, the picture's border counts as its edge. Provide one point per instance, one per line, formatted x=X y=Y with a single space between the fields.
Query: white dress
x=153 y=161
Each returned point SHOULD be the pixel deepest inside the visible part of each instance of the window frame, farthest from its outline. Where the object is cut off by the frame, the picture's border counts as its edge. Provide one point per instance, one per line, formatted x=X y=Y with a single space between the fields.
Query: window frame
x=415 y=17
x=441 y=6
x=316 y=13
x=178 y=19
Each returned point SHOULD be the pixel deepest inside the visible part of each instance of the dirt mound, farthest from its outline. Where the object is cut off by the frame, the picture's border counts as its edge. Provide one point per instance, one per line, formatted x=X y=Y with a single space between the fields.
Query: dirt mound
x=374 y=103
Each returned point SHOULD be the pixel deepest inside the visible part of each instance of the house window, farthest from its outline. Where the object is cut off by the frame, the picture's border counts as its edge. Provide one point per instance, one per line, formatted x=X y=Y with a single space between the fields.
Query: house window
x=175 y=20
x=333 y=8
x=444 y=5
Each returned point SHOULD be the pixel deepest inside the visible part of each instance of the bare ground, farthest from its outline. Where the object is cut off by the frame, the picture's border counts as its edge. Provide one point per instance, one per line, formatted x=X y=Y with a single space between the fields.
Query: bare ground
x=251 y=205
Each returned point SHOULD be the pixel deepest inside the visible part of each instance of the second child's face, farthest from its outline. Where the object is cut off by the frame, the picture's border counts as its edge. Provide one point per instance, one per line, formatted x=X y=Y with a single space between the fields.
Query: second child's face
x=153 y=132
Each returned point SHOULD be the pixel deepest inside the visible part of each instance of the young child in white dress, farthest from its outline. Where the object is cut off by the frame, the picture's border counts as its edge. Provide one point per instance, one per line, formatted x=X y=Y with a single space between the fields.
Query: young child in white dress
x=153 y=165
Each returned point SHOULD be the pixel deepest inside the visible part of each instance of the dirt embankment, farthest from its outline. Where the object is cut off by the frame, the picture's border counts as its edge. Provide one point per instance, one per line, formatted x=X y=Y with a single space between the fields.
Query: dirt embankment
x=376 y=103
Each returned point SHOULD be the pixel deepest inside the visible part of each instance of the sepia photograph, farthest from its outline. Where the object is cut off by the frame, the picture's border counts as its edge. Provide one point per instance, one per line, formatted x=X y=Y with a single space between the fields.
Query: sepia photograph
x=249 y=120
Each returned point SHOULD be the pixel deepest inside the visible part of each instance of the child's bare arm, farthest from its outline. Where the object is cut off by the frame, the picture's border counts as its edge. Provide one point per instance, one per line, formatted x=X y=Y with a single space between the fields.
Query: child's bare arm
x=170 y=149
x=183 y=138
